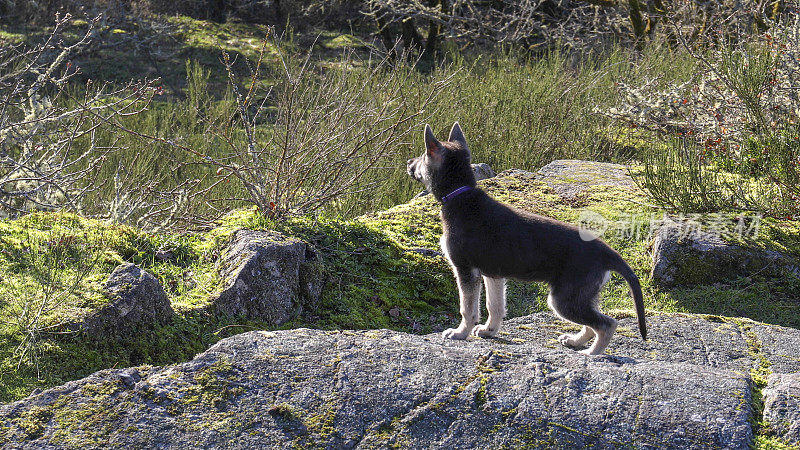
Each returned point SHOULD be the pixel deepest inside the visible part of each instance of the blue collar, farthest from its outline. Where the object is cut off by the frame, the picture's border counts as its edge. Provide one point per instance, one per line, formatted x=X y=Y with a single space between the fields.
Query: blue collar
x=456 y=193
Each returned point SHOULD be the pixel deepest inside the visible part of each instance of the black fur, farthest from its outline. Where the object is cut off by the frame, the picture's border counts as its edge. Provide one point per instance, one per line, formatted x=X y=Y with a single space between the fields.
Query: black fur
x=503 y=242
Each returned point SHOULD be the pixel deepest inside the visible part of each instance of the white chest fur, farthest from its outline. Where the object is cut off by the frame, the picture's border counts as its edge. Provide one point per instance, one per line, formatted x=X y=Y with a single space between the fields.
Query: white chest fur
x=445 y=251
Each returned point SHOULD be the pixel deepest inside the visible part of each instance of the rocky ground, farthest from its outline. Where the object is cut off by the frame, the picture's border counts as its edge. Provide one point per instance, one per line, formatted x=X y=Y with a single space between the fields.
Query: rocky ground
x=692 y=385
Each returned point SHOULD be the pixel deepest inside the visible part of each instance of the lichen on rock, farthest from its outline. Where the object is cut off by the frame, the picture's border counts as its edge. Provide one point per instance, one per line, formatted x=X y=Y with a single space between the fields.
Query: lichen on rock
x=266 y=273
x=136 y=300
x=346 y=389
x=701 y=257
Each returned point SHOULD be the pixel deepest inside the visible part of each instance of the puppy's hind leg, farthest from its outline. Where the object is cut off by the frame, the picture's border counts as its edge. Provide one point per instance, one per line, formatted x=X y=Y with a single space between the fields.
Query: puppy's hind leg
x=578 y=304
x=469 y=291
x=578 y=339
x=604 y=333
x=495 y=304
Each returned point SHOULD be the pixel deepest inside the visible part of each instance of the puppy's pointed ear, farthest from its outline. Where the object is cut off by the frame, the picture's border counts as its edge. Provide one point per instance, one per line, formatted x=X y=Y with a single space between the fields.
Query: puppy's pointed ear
x=432 y=145
x=456 y=135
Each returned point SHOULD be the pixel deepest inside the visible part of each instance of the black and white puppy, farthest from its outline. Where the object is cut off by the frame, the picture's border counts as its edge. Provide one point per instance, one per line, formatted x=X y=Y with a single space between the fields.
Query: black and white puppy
x=485 y=238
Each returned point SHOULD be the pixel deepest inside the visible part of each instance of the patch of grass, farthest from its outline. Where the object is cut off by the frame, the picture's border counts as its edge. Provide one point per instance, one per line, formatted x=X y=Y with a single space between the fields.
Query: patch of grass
x=333 y=40
x=239 y=37
x=283 y=411
x=188 y=277
x=369 y=275
x=518 y=111
x=10 y=37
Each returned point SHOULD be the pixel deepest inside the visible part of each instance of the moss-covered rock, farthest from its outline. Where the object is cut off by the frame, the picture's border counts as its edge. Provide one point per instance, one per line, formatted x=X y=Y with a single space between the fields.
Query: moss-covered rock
x=265 y=275
x=380 y=388
x=685 y=255
x=137 y=300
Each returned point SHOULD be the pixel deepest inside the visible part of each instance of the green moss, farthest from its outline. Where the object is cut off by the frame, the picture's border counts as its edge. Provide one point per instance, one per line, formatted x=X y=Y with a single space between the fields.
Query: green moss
x=213 y=386
x=33 y=421
x=481 y=396
x=340 y=41
x=759 y=375
x=75 y=256
x=11 y=37
x=773 y=443
x=243 y=38
x=40 y=250
x=506 y=413
x=564 y=427
x=88 y=423
x=321 y=424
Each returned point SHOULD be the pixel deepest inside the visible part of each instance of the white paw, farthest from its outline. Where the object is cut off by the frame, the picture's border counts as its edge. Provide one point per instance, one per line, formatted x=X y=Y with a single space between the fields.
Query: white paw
x=455 y=333
x=484 y=331
x=568 y=340
x=588 y=352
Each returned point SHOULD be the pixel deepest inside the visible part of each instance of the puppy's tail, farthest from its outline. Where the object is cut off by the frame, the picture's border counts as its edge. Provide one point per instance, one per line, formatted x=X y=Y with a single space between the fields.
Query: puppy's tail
x=617 y=264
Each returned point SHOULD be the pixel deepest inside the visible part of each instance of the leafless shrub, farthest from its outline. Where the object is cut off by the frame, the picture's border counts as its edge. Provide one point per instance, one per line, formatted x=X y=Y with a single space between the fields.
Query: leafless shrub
x=295 y=138
x=740 y=113
x=49 y=157
x=739 y=90
x=578 y=24
x=154 y=203
x=328 y=130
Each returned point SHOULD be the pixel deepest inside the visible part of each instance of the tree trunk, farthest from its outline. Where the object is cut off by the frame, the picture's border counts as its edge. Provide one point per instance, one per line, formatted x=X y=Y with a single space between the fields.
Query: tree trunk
x=434 y=30
x=410 y=35
x=386 y=38
x=635 y=14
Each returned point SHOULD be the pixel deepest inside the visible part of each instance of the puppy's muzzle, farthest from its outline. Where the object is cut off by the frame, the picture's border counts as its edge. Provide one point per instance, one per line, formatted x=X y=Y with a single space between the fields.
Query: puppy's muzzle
x=411 y=168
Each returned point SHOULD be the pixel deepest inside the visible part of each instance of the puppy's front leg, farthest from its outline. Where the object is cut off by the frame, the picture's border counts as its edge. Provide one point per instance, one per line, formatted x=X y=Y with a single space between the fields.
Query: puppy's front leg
x=495 y=304
x=469 y=291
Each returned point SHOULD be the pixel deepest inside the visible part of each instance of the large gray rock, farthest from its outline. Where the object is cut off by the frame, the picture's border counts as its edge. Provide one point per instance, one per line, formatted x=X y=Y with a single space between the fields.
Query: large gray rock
x=783 y=348
x=687 y=387
x=684 y=254
x=136 y=299
x=268 y=276
x=782 y=394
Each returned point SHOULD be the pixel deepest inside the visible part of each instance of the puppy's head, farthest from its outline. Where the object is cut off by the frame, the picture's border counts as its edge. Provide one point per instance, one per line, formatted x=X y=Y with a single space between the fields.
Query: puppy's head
x=443 y=164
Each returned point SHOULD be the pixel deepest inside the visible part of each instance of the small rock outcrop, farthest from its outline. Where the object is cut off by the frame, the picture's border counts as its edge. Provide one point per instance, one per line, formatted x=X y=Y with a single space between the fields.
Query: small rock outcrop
x=482 y=171
x=782 y=406
x=570 y=177
x=136 y=299
x=700 y=257
x=689 y=386
x=268 y=276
